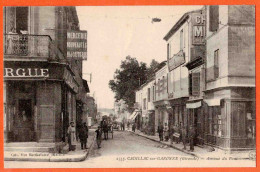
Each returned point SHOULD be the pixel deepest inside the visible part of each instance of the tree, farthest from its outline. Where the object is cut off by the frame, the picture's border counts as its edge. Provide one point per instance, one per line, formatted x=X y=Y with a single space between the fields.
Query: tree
x=127 y=79
x=151 y=70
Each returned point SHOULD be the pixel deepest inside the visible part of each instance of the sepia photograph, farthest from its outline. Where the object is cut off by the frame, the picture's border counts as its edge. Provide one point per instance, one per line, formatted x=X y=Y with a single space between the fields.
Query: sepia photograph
x=165 y=86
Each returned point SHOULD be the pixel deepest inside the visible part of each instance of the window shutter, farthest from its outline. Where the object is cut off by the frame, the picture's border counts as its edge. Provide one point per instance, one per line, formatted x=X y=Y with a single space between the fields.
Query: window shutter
x=190 y=84
x=195 y=84
x=216 y=64
x=213 y=18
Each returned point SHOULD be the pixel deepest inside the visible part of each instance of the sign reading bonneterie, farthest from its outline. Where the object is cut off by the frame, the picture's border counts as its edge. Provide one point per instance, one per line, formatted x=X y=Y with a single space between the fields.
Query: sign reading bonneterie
x=77 y=45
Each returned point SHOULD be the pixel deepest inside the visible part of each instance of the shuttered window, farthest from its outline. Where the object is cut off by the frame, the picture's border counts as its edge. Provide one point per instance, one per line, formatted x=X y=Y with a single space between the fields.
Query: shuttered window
x=190 y=84
x=216 y=63
x=168 y=50
x=149 y=94
x=213 y=18
x=195 y=84
x=181 y=40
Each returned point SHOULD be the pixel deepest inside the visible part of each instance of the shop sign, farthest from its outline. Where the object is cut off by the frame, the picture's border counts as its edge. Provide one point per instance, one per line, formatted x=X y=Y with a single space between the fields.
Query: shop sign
x=26 y=72
x=77 y=44
x=70 y=81
x=198 y=29
x=177 y=60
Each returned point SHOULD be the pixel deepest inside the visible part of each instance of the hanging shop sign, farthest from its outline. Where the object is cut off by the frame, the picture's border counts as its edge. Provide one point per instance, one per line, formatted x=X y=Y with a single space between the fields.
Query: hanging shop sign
x=77 y=45
x=177 y=60
x=70 y=81
x=198 y=28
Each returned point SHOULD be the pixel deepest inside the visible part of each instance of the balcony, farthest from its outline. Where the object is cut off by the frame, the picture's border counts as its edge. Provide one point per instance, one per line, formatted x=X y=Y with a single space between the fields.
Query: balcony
x=31 y=47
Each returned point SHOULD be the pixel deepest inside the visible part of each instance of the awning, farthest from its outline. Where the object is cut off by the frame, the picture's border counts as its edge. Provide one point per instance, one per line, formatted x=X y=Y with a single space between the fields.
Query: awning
x=137 y=113
x=132 y=115
x=193 y=105
x=213 y=102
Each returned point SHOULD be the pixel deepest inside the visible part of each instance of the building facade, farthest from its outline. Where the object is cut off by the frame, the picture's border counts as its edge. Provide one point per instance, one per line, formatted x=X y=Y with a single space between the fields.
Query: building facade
x=184 y=45
x=161 y=102
x=148 y=112
x=230 y=77
x=40 y=83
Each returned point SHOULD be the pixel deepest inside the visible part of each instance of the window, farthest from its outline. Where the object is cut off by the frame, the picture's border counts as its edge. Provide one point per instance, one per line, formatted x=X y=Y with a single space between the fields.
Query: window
x=181 y=40
x=144 y=101
x=250 y=123
x=162 y=85
x=216 y=63
x=196 y=84
x=213 y=18
x=190 y=84
x=168 y=50
x=21 y=19
x=158 y=87
x=149 y=94
x=153 y=94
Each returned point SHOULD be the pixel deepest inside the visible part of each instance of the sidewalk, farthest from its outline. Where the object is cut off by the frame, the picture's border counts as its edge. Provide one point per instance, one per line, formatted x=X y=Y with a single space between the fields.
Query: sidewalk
x=72 y=156
x=205 y=152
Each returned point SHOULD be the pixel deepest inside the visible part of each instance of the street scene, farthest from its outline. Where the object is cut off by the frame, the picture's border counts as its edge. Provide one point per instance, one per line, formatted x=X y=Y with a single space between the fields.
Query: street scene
x=140 y=86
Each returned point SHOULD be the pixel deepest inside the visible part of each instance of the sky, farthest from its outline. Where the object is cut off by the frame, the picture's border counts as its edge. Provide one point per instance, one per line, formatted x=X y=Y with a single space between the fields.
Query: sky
x=115 y=32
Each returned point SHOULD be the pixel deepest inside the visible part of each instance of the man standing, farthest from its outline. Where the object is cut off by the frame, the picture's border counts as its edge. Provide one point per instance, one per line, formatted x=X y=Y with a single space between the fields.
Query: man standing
x=98 y=136
x=72 y=137
x=133 y=127
x=160 y=131
x=184 y=136
x=83 y=135
x=166 y=132
x=191 y=138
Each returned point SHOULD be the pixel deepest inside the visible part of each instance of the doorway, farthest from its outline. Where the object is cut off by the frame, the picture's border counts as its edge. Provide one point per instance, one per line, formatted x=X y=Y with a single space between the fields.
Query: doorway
x=24 y=121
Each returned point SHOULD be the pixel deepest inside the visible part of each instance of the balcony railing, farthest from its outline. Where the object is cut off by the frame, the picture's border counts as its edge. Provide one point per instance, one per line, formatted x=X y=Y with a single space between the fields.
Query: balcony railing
x=34 y=46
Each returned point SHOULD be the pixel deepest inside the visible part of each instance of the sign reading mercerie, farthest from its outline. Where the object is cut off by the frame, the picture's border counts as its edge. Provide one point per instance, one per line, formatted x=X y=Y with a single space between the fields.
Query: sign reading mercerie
x=77 y=44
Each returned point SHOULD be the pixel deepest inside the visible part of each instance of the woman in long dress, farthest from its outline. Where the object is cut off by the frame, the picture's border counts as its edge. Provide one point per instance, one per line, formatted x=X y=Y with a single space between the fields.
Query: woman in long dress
x=72 y=137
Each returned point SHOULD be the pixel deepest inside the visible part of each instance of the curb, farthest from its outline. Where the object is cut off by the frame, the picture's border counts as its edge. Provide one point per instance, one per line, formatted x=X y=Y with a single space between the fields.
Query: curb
x=187 y=152
x=53 y=158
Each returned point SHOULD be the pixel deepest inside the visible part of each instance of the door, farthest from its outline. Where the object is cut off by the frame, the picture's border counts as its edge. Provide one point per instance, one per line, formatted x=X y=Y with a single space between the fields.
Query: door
x=47 y=130
x=24 y=121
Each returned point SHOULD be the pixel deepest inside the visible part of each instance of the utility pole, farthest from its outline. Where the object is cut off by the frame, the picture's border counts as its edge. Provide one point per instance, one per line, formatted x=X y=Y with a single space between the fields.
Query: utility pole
x=90 y=76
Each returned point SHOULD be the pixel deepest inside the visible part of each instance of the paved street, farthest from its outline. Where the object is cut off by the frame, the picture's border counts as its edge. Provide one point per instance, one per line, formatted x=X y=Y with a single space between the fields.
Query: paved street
x=125 y=150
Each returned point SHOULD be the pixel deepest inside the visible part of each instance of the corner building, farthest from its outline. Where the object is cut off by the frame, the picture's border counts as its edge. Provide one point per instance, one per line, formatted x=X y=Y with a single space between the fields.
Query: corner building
x=230 y=77
x=40 y=88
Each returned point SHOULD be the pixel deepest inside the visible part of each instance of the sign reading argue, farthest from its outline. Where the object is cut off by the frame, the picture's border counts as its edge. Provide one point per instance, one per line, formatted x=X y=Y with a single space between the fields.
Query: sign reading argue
x=25 y=72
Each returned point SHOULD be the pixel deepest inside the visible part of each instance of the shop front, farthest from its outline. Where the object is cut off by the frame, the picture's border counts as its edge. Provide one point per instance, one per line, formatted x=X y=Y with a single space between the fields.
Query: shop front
x=35 y=110
x=161 y=113
x=196 y=119
x=179 y=115
x=230 y=122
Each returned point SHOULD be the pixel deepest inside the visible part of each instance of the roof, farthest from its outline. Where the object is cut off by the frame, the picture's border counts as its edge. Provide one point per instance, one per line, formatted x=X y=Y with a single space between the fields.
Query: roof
x=160 y=66
x=178 y=24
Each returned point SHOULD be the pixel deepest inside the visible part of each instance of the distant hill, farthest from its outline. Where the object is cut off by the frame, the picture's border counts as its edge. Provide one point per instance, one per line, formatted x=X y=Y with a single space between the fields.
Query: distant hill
x=106 y=110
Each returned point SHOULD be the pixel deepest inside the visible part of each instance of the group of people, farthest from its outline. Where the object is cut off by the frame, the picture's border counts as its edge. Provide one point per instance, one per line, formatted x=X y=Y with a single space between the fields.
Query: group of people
x=177 y=133
x=82 y=135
